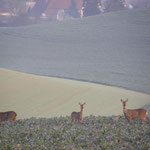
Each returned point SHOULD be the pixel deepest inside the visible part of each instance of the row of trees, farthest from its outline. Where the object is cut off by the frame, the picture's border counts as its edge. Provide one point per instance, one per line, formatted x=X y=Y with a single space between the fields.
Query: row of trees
x=18 y=8
x=14 y=7
x=91 y=7
x=112 y=5
x=18 y=13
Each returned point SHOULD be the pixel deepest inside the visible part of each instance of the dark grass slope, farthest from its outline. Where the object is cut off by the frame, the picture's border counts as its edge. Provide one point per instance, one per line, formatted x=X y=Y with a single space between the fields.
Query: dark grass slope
x=111 y=49
x=96 y=133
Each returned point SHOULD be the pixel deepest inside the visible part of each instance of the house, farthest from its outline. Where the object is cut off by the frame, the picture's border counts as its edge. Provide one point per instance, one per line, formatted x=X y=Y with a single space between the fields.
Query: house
x=30 y=5
x=70 y=6
x=39 y=7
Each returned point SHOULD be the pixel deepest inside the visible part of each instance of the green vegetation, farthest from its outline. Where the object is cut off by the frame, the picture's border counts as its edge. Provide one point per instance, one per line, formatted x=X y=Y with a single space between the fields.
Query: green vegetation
x=59 y=133
x=88 y=49
x=113 y=5
x=91 y=7
x=98 y=32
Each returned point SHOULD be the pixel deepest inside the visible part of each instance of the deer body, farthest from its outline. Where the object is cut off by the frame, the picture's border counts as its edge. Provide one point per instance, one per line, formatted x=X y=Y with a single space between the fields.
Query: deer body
x=78 y=116
x=8 y=116
x=134 y=113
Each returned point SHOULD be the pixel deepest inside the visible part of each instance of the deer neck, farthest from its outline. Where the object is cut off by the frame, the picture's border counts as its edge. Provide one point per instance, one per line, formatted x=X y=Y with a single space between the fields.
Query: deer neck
x=81 y=112
x=124 y=109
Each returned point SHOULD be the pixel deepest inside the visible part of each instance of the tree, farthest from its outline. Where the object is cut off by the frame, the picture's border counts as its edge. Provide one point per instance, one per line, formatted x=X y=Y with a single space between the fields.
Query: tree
x=90 y=7
x=14 y=7
x=140 y=3
x=39 y=8
x=73 y=10
x=112 y=5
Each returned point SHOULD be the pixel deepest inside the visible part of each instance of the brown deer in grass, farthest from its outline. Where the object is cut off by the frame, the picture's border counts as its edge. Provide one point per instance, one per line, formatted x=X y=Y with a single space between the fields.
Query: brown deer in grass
x=8 y=116
x=133 y=113
x=78 y=116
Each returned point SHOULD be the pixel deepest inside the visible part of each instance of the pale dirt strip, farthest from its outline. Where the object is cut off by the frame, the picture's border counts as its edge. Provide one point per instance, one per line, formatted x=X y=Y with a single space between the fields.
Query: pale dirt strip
x=36 y=96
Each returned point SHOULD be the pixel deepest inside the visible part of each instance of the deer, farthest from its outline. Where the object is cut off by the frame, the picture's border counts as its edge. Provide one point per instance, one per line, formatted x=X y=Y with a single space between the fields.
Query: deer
x=8 y=116
x=133 y=113
x=78 y=116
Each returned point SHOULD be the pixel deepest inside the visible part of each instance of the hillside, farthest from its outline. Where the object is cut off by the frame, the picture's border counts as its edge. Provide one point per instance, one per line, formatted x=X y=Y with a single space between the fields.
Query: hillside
x=110 y=49
x=36 y=96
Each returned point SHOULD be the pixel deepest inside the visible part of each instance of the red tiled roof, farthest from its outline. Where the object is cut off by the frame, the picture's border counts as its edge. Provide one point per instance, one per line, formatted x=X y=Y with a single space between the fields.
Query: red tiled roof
x=59 y=4
x=55 y=5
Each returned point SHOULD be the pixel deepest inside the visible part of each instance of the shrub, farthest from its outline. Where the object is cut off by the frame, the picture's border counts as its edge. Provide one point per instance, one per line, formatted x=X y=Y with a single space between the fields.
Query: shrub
x=73 y=10
x=91 y=7
x=140 y=3
x=112 y=5
x=59 y=133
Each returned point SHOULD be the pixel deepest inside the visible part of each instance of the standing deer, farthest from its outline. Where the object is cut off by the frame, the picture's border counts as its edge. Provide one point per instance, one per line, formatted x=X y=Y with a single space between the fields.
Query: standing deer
x=78 y=116
x=133 y=113
x=8 y=116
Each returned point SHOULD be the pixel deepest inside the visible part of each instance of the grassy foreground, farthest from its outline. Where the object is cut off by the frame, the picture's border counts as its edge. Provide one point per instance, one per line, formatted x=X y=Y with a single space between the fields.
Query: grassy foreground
x=60 y=134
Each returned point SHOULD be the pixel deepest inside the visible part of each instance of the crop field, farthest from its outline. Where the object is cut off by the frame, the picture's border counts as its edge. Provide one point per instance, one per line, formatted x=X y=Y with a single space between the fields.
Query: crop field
x=35 y=96
x=95 y=133
x=110 y=49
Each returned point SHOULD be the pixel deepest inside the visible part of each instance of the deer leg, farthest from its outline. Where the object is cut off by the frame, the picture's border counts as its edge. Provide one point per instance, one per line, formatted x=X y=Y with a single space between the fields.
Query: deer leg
x=129 y=120
x=80 y=121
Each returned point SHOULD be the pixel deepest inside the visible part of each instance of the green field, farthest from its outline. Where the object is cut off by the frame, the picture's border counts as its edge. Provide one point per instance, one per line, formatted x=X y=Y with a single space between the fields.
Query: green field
x=100 y=133
x=35 y=96
x=111 y=49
